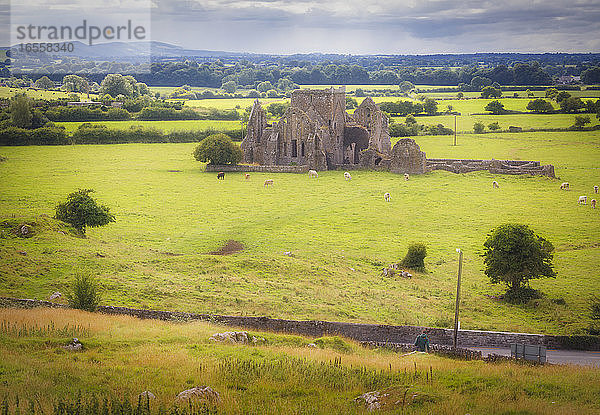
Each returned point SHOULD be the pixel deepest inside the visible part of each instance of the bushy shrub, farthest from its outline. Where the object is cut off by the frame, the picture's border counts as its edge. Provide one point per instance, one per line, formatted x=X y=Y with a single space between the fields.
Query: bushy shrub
x=478 y=127
x=13 y=136
x=415 y=257
x=218 y=149
x=84 y=293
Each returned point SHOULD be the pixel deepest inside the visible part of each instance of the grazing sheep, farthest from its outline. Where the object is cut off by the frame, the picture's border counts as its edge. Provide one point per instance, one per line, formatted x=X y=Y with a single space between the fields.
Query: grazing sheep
x=247 y=176
x=595 y=189
x=406 y=176
x=593 y=203
x=221 y=175
x=387 y=197
x=564 y=186
x=268 y=182
x=313 y=173
x=495 y=185
x=347 y=176
x=582 y=200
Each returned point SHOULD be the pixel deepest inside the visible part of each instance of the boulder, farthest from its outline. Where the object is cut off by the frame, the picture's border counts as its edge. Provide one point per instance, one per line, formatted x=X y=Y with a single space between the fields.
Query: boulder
x=74 y=346
x=236 y=337
x=370 y=400
x=55 y=295
x=202 y=393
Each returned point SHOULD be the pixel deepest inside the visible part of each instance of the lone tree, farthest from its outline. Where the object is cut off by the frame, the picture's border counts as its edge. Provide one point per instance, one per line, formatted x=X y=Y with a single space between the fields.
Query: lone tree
x=514 y=254
x=496 y=107
x=81 y=211
x=218 y=149
x=20 y=111
x=540 y=105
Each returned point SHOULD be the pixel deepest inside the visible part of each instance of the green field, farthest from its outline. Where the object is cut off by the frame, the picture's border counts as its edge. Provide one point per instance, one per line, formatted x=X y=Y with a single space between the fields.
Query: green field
x=165 y=126
x=6 y=92
x=230 y=103
x=530 y=121
x=123 y=356
x=170 y=214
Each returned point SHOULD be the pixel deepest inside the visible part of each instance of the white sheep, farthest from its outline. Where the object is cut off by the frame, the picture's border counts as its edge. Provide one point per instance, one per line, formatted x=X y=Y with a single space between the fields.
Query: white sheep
x=582 y=200
x=313 y=173
x=406 y=176
x=593 y=203
x=495 y=185
x=347 y=176
x=387 y=197
x=595 y=189
x=564 y=186
x=268 y=182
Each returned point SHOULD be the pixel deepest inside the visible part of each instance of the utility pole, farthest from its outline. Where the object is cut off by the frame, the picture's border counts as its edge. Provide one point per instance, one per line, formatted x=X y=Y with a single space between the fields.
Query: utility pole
x=460 y=258
x=455 y=130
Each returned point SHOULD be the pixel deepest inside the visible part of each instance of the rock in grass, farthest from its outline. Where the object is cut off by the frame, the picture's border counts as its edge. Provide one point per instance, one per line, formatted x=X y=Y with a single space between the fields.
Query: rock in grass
x=231 y=337
x=202 y=393
x=55 y=295
x=370 y=399
x=147 y=395
x=74 y=346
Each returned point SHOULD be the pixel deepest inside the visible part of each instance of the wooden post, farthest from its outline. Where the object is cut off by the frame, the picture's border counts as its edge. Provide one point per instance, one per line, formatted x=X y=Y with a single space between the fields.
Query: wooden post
x=455 y=130
x=455 y=339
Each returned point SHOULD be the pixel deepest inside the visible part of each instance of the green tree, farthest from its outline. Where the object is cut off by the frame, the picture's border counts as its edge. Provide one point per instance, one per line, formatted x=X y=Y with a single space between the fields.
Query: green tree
x=406 y=86
x=229 y=87
x=514 y=254
x=116 y=84
x=415 y=257
x=218 y=149
x=551 y=93
x=74 y=83
x=430 y=106
x=491 y=92
x=478 y=127
x=20 y=111
x=581 y=121
x=495 y=107
x=540 y=105
x=44 y=83
x=529 y=93
x=264 y=86
x=571 y=104
x=561 y=96
x=278 y=108
x=460 y=95
x=81 y=211
x=494 y=126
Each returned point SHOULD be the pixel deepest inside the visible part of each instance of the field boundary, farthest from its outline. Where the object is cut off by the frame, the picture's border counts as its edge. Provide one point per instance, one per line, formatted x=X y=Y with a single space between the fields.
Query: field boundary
x=256 y=168
x=375 y=333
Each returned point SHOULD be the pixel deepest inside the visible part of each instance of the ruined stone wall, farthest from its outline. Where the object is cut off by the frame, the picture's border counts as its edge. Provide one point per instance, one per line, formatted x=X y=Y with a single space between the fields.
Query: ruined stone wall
x=375 y=121
x=407 y=157
x=357 y=331
x=493 y=166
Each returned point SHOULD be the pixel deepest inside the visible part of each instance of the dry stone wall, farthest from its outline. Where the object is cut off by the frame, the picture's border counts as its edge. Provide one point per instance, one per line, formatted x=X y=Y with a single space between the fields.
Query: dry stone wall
x=254 y=168
x=378 y=333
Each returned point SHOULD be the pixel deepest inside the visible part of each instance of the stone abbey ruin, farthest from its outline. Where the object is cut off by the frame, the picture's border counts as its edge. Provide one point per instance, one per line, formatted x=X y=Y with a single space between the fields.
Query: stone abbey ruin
x=316 y=132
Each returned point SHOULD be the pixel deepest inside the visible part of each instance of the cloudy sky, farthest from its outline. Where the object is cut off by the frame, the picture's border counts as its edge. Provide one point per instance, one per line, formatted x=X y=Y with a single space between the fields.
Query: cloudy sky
x=374 y=26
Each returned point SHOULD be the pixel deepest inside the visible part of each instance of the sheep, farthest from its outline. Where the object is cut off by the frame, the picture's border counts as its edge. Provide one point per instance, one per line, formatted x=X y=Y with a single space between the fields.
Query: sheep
x=593 y=203
x=582 y=200
x=406 y=176
x=564 y=186
x=221 y=175
x=595 y=189
x=347 y=176
x=247 y=176
x=313 y=173
x=387 y=197
x=495 y=185
x=268 y=182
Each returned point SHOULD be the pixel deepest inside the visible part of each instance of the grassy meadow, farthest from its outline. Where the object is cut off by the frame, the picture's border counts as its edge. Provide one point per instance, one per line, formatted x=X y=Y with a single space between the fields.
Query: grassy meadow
x=165 y=126
x=123 y=356
x=171 y=214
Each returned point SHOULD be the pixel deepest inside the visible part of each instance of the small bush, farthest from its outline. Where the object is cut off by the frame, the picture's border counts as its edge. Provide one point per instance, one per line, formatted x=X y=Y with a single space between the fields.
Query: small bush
x=415 y=257
x=81 y=211
x=84 y=293
x=218 y=149
x=478 y=127
x=521 y=295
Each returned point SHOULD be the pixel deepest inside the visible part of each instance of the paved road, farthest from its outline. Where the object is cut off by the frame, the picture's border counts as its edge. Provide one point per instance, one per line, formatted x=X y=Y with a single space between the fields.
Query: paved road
x=574 y=357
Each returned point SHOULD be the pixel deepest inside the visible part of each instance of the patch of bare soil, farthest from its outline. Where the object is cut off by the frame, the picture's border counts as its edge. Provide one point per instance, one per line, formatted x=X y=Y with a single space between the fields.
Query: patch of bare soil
x=230 y=247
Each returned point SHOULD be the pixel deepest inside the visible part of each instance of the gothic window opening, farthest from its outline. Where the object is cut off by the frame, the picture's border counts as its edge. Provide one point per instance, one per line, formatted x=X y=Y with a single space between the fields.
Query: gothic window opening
x=302 y=149
x=294 y=148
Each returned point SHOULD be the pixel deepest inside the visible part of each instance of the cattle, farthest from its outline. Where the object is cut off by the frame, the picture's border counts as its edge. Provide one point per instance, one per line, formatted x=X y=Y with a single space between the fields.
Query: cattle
x=387 y=197
x=268 y=182
x=406 y=176
x=582 y=200
x=564 y=186
x=313 y=173
x=593 y=203
x=595 y=189
x=247 y=176
x=347 y=176
x=221 y=175
x=495 y=185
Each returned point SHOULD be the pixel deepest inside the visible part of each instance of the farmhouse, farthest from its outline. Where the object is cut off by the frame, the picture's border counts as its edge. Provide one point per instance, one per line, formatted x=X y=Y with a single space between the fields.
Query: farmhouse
x=316 y=131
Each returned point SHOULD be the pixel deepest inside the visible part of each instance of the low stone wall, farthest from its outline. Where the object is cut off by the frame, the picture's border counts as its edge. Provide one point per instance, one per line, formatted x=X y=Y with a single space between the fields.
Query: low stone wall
x=493 y=166
x=378 y=333
x=246 y=168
